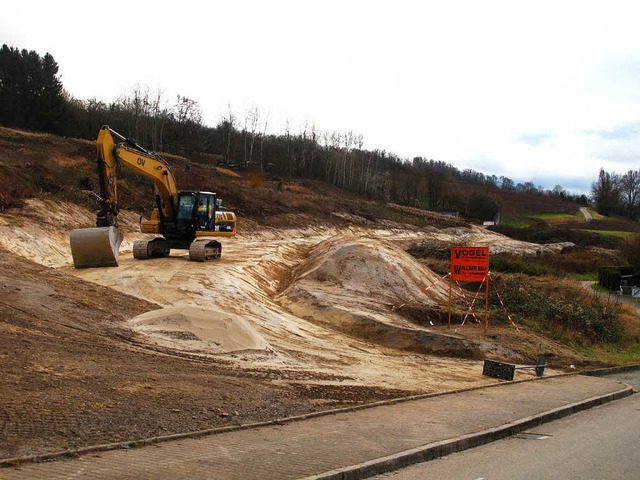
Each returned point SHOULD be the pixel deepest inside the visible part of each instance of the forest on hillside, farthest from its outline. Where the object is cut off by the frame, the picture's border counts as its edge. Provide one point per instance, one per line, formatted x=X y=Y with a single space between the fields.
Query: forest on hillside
x=33 y=97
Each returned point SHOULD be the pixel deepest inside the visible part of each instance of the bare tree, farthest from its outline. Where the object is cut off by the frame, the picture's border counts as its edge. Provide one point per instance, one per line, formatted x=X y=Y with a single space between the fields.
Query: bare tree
x=145 y=113
x=250 y=132
x=159 y=114
x=606 y=192
x=188 y=119
x=229 y=125
x=289 y=140
x=263 y=135
x=332 y=141
x=630 y=192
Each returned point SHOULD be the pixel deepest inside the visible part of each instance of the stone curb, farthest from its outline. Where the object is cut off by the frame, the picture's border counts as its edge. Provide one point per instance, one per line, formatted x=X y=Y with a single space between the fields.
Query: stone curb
x=601 y=372
x=464 y=442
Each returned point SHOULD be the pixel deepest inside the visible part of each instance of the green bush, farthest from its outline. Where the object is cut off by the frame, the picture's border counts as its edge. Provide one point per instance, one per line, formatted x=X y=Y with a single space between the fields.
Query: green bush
x=515 y=264
x=550 y=308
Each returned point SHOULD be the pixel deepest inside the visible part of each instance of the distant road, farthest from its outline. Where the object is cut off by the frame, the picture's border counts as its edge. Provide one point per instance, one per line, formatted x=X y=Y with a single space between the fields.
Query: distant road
x=587 y=215
x=601 y=443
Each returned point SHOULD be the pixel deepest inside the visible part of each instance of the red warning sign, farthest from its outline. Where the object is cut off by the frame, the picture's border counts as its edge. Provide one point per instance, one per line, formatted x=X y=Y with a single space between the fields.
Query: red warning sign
x=469 y=264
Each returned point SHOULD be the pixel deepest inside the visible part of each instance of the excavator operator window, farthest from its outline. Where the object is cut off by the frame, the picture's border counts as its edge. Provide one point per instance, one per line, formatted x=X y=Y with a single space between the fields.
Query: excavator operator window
x=205 y=211
x=212 y=207
x=185 y=207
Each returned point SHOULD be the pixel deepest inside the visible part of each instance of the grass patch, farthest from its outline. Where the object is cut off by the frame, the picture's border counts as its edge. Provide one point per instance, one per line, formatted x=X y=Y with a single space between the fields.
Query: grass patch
x=626 y=352
x=555 y=217
x=515 y=223
x=595 y=214
x=536 y=218
x=599 y=288
x=542 y=234
x=533 y=266
x=572 y=261
x=612 y=233
x=586 y=277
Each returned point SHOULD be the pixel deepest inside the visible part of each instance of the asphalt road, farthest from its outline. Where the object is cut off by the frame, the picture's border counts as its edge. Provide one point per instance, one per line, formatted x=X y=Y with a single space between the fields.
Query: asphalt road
x=601 y=443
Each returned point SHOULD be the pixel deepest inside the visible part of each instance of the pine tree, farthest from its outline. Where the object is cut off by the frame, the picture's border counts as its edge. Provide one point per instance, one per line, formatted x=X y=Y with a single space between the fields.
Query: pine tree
x=31 y=94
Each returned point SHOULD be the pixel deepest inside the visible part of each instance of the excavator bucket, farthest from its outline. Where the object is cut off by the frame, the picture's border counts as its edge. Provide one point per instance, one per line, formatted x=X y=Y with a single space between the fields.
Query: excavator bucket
x=95 y=247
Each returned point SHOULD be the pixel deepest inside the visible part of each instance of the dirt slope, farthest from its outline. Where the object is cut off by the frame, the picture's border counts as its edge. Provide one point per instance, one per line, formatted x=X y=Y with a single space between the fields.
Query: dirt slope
x=74 y=375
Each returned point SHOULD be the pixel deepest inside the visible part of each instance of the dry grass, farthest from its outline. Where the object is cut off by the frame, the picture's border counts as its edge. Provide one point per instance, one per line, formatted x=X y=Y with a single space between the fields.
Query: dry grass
x=296 y=188
x=12 y=189
x=292 y=201
x=256 y=180
x=227 y=172
x=563 y=309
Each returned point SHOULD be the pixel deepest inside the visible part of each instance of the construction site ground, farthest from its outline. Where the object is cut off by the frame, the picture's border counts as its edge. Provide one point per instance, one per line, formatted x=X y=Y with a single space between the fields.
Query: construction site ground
x=288 y=321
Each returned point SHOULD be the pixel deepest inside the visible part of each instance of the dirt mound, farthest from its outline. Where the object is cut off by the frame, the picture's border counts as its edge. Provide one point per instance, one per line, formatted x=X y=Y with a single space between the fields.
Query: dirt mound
x=74 y=374
x=198 y=330
x=352 y=286
x=360 y=266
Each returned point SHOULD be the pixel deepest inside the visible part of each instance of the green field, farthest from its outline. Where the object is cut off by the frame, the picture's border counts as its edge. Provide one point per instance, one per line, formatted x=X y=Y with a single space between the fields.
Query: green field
x=554 y=218
x=612 y=233
x=515 y=223
x=586 y=277
x=548 y=218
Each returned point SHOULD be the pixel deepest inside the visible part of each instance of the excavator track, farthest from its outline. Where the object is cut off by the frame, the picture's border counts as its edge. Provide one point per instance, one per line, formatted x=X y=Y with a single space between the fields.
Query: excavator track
x=203 y=250
x=143 y=249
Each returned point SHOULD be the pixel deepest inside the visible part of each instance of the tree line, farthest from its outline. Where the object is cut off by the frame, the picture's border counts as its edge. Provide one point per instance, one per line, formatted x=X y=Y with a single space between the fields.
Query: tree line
x=32 y=97
x=615 y=193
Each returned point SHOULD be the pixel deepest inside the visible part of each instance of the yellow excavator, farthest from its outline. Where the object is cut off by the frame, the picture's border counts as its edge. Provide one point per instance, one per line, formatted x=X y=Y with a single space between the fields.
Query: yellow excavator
x=185 y=220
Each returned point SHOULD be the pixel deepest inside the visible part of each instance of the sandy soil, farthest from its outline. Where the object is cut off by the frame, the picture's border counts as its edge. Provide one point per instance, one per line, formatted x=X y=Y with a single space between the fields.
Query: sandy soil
x=287 y=321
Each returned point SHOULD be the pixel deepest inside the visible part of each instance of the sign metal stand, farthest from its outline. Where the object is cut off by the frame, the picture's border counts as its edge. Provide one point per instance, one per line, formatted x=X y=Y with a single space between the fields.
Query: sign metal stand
x=470 y=264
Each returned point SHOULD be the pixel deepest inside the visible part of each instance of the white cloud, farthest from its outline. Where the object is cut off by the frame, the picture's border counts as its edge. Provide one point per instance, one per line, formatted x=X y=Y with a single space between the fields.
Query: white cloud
x=459 y=81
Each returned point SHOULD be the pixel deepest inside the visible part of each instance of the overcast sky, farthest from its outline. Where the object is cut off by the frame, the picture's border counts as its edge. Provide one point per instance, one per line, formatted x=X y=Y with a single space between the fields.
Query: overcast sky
x=546 y=91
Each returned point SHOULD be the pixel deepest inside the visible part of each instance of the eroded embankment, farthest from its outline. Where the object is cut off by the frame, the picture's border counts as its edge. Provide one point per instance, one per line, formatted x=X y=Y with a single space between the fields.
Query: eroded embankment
x=320 y=298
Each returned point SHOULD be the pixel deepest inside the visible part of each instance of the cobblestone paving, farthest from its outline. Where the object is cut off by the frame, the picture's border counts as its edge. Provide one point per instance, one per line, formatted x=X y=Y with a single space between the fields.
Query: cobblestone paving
x=313 y=446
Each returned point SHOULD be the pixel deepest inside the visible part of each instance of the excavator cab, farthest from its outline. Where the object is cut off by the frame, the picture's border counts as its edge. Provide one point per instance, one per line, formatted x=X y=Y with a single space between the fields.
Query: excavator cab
x=196 y=211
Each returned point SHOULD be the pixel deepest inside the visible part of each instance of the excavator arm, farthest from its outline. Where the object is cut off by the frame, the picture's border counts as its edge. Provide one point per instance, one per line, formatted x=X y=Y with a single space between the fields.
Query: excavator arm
x=98 y=247
x=113 y=148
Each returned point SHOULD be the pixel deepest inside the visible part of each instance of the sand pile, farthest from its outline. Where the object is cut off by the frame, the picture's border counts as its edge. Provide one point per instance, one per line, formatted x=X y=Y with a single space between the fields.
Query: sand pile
x=197 y=330
x=380 y=271
x=352 y=286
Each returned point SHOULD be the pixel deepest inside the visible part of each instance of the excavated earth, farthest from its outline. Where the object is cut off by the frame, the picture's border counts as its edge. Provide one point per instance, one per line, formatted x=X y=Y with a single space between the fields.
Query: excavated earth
x=288 y=321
